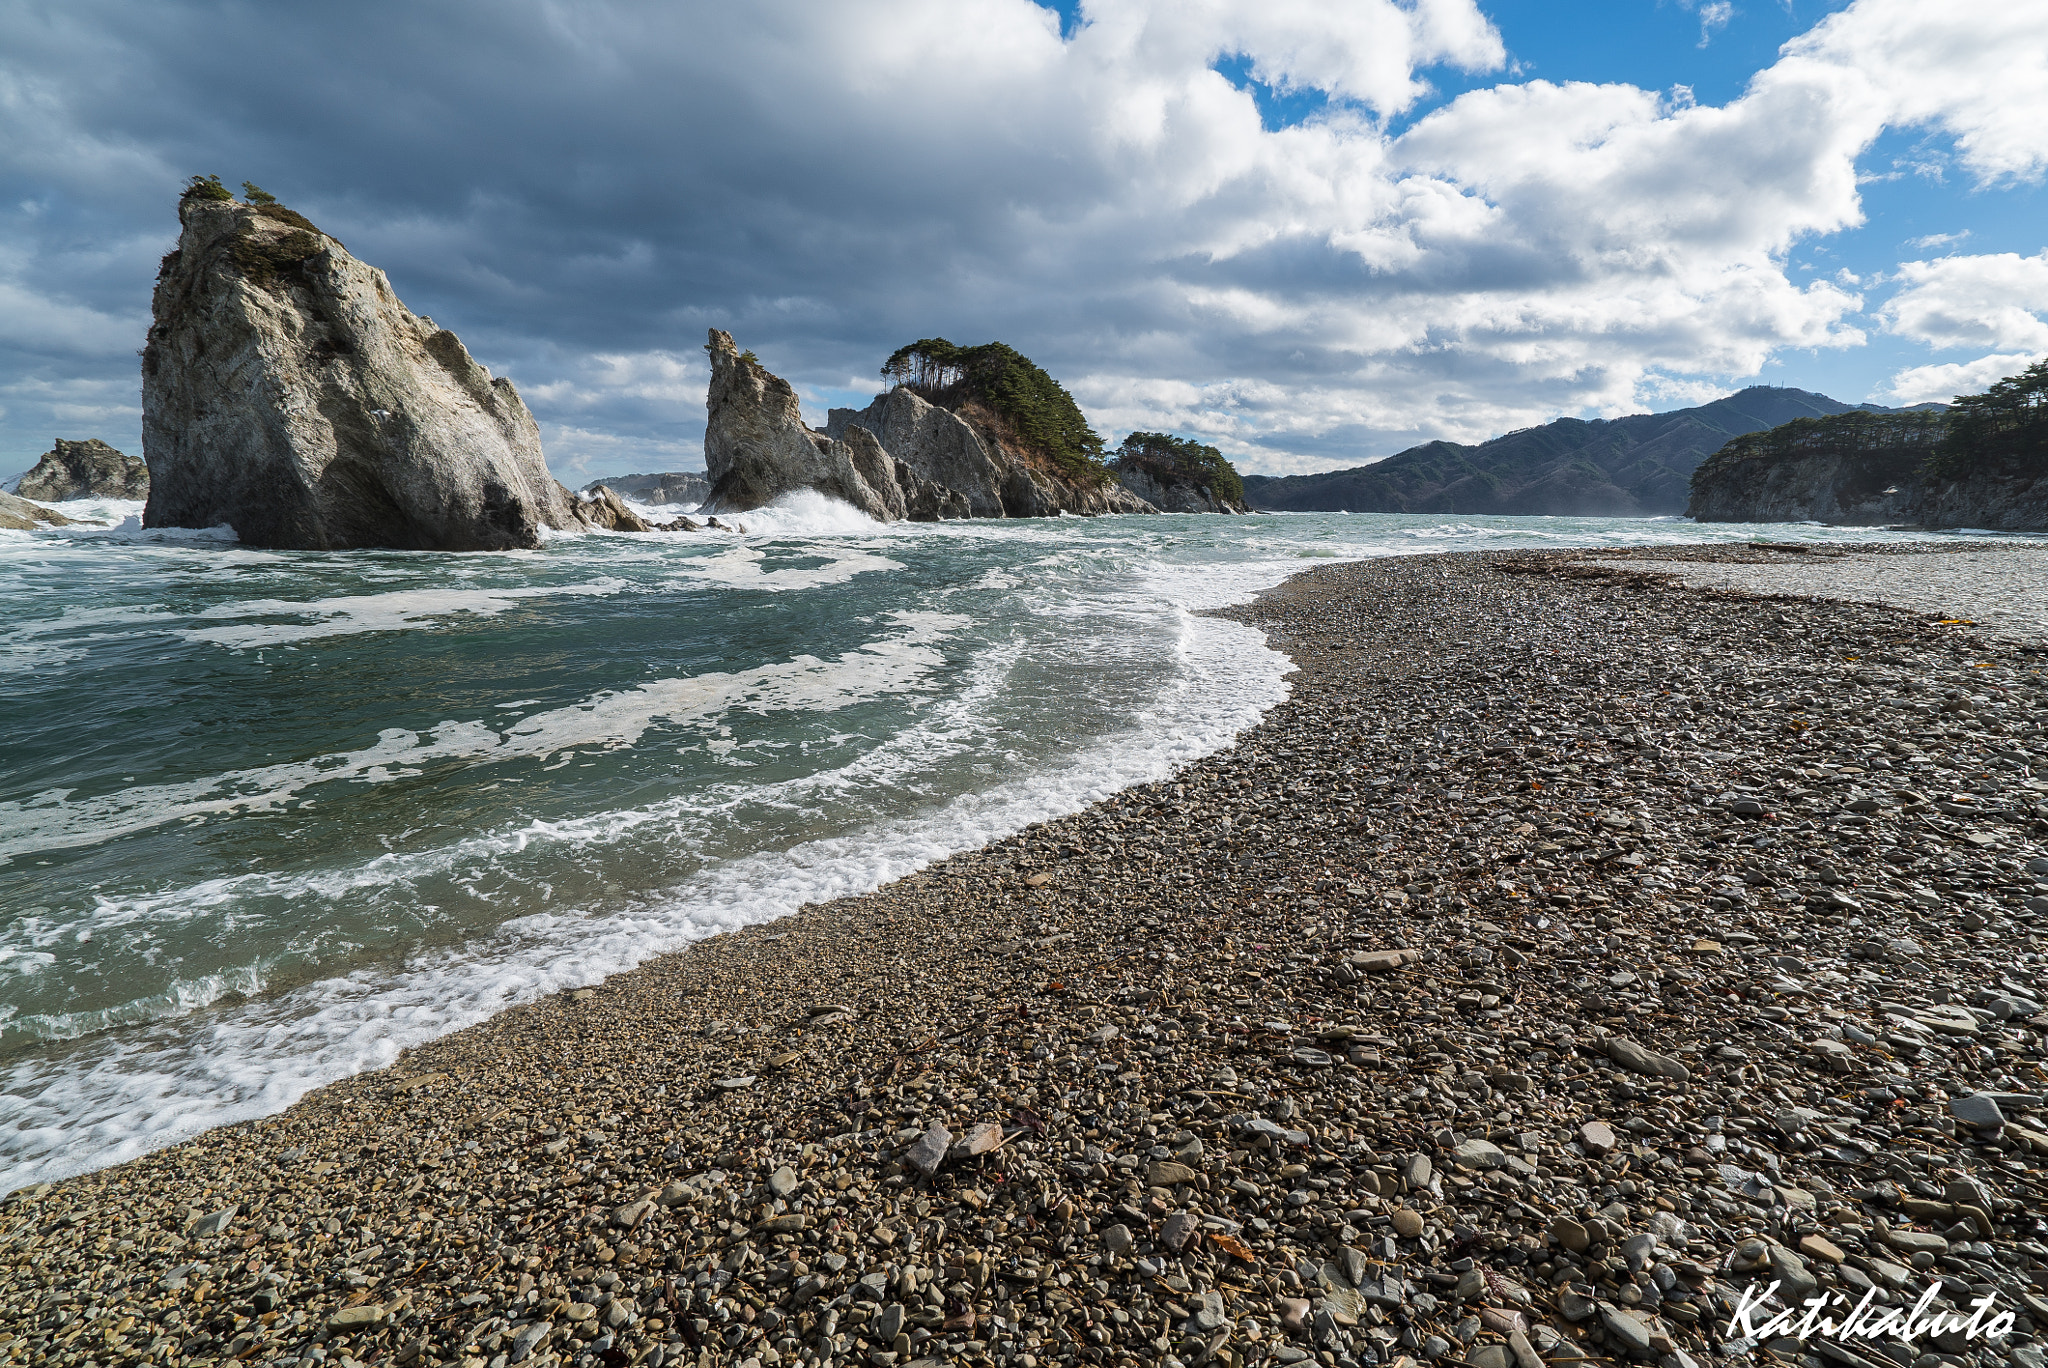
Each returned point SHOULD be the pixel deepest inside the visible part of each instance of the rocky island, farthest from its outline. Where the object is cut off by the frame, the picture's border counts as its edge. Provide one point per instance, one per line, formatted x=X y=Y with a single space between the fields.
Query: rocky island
x=1176 y=475
x=84 y=470
x=1980 y=463
x=974 y=432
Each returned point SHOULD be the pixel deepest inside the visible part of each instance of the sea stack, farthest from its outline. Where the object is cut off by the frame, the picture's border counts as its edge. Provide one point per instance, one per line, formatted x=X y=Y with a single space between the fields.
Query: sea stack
x=287 y=393
x=85 y=470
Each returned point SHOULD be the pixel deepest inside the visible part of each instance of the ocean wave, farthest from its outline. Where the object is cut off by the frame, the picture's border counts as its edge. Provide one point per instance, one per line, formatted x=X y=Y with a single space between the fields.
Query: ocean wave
x=891 y=664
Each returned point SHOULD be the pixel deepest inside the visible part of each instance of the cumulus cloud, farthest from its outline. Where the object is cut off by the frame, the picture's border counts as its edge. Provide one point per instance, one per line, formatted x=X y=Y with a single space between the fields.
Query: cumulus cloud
x=1995 y=300
x=1940 y=383
x=580 y=190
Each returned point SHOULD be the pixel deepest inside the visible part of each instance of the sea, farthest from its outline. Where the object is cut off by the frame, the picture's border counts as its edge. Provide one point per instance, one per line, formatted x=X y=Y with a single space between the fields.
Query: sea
x=269 y=818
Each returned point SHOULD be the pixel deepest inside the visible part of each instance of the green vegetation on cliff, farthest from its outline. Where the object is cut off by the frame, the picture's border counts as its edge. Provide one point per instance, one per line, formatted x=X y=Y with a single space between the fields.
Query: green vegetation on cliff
x=1033 y=414
x=1902 y=438
x=2005 y=425
x=1167 y=458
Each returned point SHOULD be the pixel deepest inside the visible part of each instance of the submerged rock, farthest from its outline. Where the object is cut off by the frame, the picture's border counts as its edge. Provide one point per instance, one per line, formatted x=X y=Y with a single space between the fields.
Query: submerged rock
x=19 y=515
x=85 y=470
x=288 y=393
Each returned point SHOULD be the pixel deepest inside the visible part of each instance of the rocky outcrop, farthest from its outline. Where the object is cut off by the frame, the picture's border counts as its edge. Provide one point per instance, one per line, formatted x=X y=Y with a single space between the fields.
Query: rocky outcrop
x=85 y=470
x=934 y=443
x=900 y=457
x=599 y=507
x=288 y=393
x=19 y=515
x=1175 y=495
x=757 y=448
x=670 y=487
x=943 y=448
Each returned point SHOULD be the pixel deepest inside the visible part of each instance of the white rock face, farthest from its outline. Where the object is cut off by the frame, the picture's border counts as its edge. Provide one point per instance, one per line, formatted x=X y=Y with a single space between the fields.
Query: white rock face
x=932 y=441
x=757 y=448
x=288 y=393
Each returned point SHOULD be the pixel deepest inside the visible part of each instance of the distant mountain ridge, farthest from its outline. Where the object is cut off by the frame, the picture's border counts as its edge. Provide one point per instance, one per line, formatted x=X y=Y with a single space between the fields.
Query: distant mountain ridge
x=1638 y=466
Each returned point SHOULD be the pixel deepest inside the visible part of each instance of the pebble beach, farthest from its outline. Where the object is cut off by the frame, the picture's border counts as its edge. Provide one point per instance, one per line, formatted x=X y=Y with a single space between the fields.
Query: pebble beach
x=1590 y=941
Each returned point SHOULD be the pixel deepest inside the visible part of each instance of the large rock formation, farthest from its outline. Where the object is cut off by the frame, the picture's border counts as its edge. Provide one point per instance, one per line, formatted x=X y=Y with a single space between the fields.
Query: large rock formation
x=85 y=470
x=757 y=448
x=933 y=442
x=19 y=515
x=288 y=393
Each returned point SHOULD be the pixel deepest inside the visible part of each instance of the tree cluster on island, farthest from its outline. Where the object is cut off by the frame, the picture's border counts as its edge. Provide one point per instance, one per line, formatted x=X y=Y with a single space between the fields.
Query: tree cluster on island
x=1031 y=412
x=1169 y=460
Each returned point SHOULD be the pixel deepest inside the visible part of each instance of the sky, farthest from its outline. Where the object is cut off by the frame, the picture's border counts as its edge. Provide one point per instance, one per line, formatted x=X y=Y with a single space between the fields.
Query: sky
x=1311 y=232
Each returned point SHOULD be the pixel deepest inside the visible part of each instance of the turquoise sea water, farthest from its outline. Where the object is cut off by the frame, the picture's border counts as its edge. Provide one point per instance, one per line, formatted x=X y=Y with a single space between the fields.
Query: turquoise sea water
x=268 y=818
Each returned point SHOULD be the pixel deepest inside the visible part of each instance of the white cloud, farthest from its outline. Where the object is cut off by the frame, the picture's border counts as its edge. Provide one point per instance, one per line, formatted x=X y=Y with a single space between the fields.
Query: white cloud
x=1933 y=240
x=581 y=190
x=1714 y=14
x=1939 y=384
x=1977 y=71
x=1995 y=300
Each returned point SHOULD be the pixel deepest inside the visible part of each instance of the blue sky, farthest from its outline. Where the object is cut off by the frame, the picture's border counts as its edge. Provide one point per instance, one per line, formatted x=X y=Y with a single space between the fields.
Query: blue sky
x=1310 y=232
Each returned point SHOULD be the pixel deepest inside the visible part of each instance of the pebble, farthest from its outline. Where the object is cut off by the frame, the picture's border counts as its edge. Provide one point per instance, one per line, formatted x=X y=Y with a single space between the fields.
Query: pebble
x=1329 y=1044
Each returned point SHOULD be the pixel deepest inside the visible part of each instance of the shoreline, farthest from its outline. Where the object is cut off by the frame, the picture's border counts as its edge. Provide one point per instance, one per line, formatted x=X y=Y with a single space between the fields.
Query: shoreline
x=1121 y=971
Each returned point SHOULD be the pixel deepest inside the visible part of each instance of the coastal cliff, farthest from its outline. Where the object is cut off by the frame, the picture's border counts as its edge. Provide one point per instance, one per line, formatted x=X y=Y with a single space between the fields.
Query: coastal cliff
x=288 y=393
x=1982 y=463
